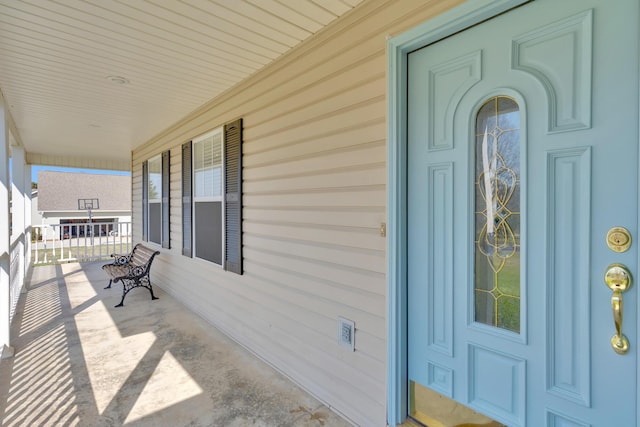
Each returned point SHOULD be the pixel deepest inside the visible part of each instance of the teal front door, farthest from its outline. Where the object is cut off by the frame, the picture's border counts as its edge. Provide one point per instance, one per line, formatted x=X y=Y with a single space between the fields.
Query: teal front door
x=522 y=156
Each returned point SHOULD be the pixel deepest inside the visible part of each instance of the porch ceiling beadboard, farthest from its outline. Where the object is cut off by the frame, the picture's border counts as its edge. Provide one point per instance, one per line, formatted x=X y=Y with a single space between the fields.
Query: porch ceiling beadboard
x=314 y=195
x=88 y=81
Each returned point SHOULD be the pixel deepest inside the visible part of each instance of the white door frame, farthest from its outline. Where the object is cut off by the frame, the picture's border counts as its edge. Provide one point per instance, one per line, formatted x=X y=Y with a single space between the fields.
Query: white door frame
x=455 y=20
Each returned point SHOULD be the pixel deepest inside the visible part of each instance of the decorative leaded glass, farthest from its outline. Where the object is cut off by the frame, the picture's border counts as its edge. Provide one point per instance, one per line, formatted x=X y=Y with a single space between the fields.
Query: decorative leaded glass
x=497 y=214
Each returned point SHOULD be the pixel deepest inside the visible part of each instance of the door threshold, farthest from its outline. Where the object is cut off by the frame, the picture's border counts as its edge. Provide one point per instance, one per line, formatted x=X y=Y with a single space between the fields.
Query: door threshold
x=431 y=409
x=410 y=423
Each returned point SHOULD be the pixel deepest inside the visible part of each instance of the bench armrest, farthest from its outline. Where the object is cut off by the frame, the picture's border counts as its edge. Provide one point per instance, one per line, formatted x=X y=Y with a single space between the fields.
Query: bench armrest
x=121 y=259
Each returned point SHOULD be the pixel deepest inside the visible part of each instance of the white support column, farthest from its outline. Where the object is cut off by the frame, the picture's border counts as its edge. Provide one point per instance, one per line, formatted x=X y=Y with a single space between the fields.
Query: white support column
x=5 y=300
x=17 y=190
x=18 y=217
x=27 y=218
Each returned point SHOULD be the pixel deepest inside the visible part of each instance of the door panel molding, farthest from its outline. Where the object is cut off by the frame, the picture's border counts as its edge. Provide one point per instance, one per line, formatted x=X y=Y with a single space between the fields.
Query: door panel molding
x=440 y=379
x=568 y=248
x=444 y=25
x=566 y=78
x=450 y=81
x=440 y=261
x=505 y=397
x=558 y=419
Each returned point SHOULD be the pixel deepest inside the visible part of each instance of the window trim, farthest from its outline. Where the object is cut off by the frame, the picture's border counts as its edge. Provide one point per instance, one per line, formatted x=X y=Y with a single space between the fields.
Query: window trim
x=231 y=199
x=204 y=199
x=151 y=200
x=164 y=200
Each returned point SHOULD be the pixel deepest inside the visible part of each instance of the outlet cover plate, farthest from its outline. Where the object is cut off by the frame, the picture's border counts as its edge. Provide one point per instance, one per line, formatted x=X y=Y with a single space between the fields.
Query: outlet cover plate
x=346 y=333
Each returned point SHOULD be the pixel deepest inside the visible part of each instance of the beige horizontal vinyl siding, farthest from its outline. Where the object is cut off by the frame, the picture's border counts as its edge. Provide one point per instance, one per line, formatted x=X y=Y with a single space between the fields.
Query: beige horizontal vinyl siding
x=314 y=197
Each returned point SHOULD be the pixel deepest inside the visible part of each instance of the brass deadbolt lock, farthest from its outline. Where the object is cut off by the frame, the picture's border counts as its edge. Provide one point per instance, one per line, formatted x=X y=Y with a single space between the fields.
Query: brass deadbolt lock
x=619 y=239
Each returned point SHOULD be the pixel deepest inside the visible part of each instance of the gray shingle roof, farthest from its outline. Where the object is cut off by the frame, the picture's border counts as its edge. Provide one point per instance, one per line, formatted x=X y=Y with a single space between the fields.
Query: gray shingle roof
x=60 y=191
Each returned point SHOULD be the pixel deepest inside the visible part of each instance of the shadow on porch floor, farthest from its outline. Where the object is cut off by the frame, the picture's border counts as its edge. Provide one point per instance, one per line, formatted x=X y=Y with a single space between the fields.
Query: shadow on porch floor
x=81 y=362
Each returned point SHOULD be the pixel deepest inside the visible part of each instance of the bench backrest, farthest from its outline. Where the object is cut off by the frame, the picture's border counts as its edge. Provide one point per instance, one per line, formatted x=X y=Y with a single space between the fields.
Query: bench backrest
x=142 y=255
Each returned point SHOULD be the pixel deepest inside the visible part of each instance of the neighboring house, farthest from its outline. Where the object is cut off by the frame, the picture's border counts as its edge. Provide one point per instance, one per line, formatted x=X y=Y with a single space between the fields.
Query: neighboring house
x=61 y=195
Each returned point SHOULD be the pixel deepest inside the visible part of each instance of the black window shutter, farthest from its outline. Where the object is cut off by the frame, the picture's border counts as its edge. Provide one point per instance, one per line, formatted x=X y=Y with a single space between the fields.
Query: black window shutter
x=166 y=201
x=187 y=217
x=145 y=200
x=233 y=196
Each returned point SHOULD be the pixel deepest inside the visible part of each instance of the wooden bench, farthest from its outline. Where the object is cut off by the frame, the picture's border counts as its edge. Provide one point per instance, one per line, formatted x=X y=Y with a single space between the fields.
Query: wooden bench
x=132 y=270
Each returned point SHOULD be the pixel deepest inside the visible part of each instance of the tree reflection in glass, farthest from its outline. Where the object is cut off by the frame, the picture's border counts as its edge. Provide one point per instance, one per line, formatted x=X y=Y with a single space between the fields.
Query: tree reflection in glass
x=497 y=214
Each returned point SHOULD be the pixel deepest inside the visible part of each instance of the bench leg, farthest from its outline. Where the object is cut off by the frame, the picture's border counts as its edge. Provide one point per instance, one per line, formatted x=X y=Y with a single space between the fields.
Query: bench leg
x=109 y=286
x=152 y=295
x=128 y=284
x=121 y=302
x=146 y=283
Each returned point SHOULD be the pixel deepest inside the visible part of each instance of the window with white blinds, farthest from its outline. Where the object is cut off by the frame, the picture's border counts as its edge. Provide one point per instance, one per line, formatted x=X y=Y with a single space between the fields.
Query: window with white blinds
x=156 y=200
x=207 y=167
x=154 y=180
x=212 y=197
x=208 y=206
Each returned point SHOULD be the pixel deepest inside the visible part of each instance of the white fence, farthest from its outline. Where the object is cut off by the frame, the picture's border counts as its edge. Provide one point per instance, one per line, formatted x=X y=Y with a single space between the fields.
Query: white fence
x=86 y=241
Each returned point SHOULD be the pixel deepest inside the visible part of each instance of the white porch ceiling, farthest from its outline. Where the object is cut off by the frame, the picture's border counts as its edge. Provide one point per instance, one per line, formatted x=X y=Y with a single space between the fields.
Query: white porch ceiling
x=58 y=60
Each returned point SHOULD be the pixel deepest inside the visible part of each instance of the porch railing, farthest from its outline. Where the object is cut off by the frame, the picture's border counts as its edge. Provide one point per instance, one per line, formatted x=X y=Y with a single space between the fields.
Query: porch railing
x=88 y=241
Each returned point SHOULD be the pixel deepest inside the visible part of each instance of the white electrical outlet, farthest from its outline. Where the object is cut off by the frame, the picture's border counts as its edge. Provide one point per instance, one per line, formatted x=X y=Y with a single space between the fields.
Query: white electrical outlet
x=346 y=333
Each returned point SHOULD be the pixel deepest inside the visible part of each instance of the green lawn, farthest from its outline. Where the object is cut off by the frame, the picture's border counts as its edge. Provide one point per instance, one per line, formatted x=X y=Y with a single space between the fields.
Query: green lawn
x=509 y=303
x=507 y=294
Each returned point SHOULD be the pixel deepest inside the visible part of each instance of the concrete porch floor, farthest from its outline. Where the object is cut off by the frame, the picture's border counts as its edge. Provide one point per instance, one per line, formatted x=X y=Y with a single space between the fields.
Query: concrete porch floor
x=81 y=362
